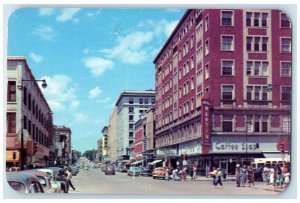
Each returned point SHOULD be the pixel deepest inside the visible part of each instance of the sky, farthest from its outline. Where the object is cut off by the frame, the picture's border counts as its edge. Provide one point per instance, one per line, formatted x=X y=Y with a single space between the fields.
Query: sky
x=88 y=56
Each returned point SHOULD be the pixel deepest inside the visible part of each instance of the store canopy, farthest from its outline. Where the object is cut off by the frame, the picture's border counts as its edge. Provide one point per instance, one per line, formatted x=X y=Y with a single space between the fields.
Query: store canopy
x=155 y=162
x=137 y=162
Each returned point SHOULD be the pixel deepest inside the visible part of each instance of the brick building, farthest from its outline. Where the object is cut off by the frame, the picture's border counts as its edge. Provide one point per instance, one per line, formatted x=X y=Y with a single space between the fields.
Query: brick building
x=223 y=82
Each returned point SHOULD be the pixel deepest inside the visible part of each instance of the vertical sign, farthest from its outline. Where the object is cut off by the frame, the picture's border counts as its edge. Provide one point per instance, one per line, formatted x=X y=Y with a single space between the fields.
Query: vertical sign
x=205 y=123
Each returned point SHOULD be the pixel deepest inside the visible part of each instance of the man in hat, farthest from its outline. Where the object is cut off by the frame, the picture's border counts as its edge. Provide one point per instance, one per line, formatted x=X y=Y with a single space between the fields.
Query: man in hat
x=238 y=175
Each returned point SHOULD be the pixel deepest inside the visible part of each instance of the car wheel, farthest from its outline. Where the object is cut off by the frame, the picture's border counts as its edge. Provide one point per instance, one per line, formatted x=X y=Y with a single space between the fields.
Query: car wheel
x=153 y=177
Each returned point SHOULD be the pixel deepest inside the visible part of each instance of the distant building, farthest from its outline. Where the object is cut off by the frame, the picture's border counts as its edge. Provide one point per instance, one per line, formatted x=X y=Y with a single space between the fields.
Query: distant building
x=130 y=106
x=27 y=113
x=223 y=88
x=105 y=156
x=63 y=145
x=112 y=136
x=99 y=150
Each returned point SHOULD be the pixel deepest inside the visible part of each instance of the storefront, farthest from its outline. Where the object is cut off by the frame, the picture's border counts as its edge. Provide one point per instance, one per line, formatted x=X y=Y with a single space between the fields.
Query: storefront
x=228 y=150
x=168 y=155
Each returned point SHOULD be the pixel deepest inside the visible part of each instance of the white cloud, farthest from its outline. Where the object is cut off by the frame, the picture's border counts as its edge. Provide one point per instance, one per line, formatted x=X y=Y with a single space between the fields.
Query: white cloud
x=74 y=105
x=106 y=100
x=67 y=14
x=44 y=32
x=94 y=14
x=46 y=11
x=60 y=92
x=94 y=92
x=79 y=117
x=129 y=48
x=97 y=65
x=36 y=58
x=173 y=10
x=170 y=27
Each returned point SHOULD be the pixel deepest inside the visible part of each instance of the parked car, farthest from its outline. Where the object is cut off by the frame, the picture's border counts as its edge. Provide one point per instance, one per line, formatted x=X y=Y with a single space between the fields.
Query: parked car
x=158 y=172
x=45 y=181
x=74 y=170
x=146 y=171
x=24 y=182
x=134 y=171
x=110 y=169
x=58 y=177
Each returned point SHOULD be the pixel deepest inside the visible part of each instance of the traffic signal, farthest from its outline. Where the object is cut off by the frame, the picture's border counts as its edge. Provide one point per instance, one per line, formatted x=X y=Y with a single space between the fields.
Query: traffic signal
x=14 y=155
x=281 y=147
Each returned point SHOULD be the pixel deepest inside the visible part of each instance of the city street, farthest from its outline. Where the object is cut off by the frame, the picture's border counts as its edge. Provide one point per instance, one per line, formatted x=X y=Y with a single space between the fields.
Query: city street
x=93 y=181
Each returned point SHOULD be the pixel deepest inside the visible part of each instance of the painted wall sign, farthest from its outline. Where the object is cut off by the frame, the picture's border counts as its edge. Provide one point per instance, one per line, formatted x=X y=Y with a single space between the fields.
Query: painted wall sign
x=190 y=148
x=235 y=147
x=166 y=152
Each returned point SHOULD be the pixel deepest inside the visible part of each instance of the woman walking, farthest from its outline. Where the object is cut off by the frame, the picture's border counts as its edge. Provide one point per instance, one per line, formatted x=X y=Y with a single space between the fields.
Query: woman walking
x=250 y=175
x=213 y=174
x=243 y=175
x=238 y=175
x=219 y=178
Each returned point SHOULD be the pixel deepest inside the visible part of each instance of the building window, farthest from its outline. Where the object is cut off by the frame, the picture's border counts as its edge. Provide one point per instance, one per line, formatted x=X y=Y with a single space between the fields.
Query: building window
x=29 y=101
x=206 y=47
x=141 y=101
x=227 y=18
x=265 y=65
x=25 y=95
x=285 y=68
x=249 y=67
x=11 y=122
x=257 y=92
x=257 y=124
x=286 y=45
x=227 y=123
x=249 y=18
x=192 y=83
x=206 y=71
x=264 y=93
x=227 y=92
x=130 y=126
x=284 y=21
x=227 y=68
x=265 y=123
x=130 y=100
x=249 y=92
x=249 y=43
x=256 y=19
x=130 y=109
x=256 y=43
x=25 y=122
x=264 y=20
x=286 y=93
x=33 y=107
x=146 y=101
x=264 y=44
x=256 y=67
x=130 y=117
x=131 y=135
x=206 y=23
x=11 y=91
x=227 y=43
x=36 y=112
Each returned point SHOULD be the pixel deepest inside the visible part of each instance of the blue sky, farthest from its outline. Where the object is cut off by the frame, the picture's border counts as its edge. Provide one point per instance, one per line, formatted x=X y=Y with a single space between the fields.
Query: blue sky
x=89 y=56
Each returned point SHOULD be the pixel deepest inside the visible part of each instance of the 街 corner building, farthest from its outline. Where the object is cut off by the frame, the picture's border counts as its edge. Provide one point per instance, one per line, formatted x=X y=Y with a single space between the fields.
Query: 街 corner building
x=223 y=89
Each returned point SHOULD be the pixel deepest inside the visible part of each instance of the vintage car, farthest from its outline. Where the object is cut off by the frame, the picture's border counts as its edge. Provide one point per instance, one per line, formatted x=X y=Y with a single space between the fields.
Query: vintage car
x=24 y=182
x=146 y=171
x=158 y=172
x=45 y=181
x=57 y=176
x=110 y=169
x=134 y=171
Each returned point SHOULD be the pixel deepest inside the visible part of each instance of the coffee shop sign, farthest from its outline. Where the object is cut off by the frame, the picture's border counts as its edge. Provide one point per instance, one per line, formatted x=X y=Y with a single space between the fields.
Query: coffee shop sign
x=238 y=147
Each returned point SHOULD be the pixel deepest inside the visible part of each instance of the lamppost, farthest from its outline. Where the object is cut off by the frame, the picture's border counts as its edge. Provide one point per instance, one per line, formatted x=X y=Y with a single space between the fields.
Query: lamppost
x=22 y=151
x=247 y=124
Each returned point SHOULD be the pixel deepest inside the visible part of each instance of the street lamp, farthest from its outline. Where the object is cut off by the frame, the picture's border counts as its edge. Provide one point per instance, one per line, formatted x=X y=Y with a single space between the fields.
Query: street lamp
x=22 y=154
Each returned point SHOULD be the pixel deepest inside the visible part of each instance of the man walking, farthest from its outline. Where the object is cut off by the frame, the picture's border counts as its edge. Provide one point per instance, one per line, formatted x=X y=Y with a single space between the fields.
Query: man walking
x=69 y=179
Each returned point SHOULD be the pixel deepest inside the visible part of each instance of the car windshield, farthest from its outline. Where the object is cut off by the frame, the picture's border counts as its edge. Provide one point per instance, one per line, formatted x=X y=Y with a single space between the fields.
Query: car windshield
x=42 y=180
x=20 y=187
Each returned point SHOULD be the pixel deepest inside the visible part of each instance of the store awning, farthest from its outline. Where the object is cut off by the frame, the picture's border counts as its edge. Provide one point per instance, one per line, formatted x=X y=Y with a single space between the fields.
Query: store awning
x=155 y=162
x=137 y=162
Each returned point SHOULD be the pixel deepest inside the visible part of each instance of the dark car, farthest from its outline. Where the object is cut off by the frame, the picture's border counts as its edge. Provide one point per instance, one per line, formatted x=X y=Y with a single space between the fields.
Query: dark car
x=24 y=182
x=110 y=169
x=146 y=171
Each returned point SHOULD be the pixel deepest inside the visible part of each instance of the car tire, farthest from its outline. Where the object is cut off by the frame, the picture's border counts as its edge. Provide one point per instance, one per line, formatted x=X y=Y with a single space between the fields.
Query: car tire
x=154 y=177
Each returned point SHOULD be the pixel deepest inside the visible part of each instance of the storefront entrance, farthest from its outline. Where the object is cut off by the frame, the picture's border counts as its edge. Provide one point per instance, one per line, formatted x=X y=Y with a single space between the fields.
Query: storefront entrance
x=229 y=165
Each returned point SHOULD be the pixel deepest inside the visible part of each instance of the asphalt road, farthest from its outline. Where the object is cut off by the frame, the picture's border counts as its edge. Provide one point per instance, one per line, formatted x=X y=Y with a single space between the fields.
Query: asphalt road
x=93 y=181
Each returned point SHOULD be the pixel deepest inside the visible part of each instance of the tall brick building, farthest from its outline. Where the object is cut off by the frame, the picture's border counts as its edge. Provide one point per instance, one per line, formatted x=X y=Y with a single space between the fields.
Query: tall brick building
x=223 y=82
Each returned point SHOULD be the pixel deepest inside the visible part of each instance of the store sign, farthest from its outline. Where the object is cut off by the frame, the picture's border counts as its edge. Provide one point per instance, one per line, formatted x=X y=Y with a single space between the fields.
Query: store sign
x=166 y=152
x=235 y=147
x=190 y=148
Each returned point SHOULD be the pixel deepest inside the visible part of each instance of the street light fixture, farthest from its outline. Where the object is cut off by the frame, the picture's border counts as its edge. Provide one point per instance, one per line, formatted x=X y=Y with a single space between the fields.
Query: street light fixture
x=22 y=154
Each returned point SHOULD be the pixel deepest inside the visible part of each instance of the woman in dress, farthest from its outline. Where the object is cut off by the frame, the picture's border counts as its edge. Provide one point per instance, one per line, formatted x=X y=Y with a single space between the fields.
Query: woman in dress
x=250 y=175
x=243 y=175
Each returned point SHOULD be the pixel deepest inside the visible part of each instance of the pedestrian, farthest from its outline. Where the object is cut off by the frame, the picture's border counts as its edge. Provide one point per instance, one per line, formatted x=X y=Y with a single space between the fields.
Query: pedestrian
x=219 y=178
x=224 y=174
x=243 y=175
x=279 y=178
x=238 y=175
x=265 y=173
x=286 y=177
x=213 y=174
x=194 y=169
x=181 y=174
x=271 y=176
x=69 y=178
x=167 y=175
x=184 y=173
x=250 y=172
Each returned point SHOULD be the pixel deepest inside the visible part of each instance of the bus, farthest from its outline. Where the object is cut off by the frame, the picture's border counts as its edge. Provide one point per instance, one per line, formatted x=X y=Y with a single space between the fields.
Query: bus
x=261 y=162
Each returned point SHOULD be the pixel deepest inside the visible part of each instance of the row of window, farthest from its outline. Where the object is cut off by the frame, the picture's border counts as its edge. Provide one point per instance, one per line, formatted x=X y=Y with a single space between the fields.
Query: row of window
x=142 y=101
x=28 y=101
